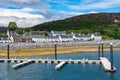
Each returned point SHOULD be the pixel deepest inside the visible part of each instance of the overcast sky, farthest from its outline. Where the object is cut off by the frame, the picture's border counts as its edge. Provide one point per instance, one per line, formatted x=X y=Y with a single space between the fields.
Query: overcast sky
x=27 y=13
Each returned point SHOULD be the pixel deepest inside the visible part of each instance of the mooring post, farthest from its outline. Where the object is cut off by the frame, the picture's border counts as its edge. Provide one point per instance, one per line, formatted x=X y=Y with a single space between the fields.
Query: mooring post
x=8 y=51
x=111 y=55
x=102 y=49
x=98 y=50
x=55 y=51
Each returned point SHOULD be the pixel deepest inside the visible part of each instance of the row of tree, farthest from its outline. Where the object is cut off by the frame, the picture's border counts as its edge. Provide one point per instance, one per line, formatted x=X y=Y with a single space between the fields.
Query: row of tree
x=12 y=26
x=108 y=31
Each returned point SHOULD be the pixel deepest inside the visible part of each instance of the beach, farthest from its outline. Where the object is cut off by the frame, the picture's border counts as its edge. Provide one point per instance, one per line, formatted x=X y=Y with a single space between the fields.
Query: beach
x=50 y=50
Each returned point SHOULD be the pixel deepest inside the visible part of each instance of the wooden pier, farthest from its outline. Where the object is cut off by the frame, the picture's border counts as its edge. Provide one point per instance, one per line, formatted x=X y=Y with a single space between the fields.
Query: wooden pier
x=107 y=65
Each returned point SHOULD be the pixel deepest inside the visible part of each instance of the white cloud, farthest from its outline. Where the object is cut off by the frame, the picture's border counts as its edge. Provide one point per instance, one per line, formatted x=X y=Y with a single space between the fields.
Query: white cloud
x=23 y=13
x=22 y=22
x=24 y=1
x=92 y=12
x=22 y=17
x=31 y=12
x=96 y=4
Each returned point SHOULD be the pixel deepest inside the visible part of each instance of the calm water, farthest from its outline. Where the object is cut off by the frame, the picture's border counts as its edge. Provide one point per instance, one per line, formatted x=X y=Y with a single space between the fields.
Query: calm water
x=38 y=71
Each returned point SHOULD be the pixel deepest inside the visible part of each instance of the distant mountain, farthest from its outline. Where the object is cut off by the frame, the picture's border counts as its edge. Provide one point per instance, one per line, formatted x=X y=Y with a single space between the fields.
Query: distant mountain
x=108 y=24
x=3 y=29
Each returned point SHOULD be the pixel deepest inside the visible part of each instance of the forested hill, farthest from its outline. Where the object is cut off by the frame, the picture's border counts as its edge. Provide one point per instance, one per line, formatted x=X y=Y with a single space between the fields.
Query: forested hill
x=108 y=24
x=3 y=29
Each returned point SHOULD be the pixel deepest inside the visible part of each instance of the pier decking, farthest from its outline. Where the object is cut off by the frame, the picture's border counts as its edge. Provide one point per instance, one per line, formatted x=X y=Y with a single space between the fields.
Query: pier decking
x=53 y=61
x=60 y=62
x=107 y=65
x=22 y=64
x=60 y=65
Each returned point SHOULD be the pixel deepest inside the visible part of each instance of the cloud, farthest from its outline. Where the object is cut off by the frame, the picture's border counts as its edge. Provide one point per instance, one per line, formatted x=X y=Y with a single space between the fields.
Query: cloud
x=22 y=16
x=24 y=1
x=86 y=5
x=32 y=12
x=21 y=22
x=40 y=5
x=22 y=13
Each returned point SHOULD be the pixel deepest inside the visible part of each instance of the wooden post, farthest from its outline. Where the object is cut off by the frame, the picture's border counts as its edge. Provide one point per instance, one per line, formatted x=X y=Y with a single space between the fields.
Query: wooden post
x=8 y=52
x=98 y=50
x=102 y=49
x=55 y=51
x=111 y=55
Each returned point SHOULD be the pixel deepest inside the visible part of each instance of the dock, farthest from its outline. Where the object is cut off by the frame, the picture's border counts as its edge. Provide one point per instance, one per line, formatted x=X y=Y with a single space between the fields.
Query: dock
x=107 y=65
x=52 y=61
x=22 y=64
x=60 y=62
x=60 y=65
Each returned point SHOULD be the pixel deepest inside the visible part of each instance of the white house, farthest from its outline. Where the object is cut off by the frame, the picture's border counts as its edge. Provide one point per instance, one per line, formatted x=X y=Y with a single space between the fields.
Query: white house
x=39 y=38
x=4 y=40
x=82 y=37
x=96 y=36
x=57 y=33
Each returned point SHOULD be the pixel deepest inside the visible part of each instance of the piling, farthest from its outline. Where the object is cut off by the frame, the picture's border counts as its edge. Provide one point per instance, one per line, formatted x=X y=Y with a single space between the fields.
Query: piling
x=8 y=51
x=102 y=49
x=55 y=51
x=111 y=55
x=98 y=50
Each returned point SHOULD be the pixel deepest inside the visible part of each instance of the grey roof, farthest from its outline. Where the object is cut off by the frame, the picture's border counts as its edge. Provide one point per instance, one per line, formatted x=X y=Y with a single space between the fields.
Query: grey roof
x=59 y=32
x=26 y=36
x=33 y=33
x=3 y=38
x=81 y=35
x=40 y=36
x=97 y=34
x=66 y=36
x=13 y=33
x=36 y=32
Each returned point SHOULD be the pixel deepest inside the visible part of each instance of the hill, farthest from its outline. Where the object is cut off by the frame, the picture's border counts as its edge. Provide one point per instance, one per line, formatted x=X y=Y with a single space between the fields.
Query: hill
x=108 y=24
x=3 y=29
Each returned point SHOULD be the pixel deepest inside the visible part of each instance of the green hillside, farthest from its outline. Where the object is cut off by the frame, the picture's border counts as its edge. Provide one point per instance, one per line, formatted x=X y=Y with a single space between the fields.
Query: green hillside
x=108 y=24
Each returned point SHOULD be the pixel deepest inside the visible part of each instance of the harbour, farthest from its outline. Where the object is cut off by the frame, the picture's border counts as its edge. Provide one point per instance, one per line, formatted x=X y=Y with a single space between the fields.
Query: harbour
x=47 y=70
x=106 y=62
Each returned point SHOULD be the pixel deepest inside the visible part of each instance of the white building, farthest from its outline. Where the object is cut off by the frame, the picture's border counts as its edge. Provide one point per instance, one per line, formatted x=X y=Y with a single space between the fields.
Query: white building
x=82 y=37
x=96 y=36
x=4 y=40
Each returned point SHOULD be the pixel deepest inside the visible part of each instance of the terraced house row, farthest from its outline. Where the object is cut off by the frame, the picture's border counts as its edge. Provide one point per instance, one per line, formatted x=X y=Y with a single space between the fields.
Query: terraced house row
x=53 y=36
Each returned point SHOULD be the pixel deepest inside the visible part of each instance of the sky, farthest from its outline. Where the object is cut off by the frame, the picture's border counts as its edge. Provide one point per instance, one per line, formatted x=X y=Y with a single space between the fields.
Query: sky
x=27 y=13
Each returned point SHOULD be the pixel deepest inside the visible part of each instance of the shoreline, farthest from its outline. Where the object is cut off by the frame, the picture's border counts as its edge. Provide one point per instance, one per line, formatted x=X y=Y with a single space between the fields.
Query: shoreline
x=50 y=50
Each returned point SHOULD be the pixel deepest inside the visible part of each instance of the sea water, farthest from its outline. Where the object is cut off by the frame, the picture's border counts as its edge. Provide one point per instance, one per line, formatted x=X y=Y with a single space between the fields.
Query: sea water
x=41 y=71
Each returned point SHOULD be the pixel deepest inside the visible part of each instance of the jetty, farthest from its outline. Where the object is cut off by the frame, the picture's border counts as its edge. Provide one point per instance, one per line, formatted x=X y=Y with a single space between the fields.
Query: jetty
x=60 y=62
x=52 y=61
x=107 y=65
x=22 y=64
x=60 y=65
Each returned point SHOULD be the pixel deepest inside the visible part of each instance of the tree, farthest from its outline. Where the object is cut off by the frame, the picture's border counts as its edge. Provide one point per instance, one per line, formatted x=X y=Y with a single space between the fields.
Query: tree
x=20 y=31
x=12 y=26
